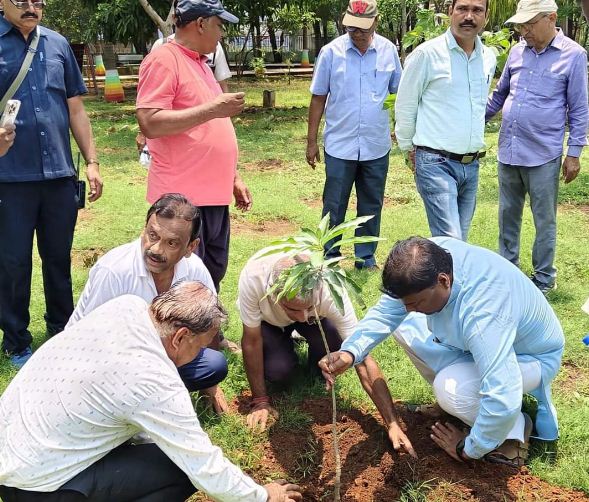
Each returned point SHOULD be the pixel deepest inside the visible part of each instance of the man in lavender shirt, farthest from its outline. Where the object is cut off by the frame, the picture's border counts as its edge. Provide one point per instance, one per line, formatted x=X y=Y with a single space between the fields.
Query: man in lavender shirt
x=542 y=89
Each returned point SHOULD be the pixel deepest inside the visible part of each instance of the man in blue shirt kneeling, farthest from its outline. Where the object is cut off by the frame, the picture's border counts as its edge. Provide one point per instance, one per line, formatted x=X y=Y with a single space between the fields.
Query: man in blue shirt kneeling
x=479 y=331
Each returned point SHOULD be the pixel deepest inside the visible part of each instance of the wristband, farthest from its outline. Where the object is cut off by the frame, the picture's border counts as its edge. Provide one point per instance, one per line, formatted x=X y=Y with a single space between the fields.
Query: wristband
x=260 y=400
x=92 y=161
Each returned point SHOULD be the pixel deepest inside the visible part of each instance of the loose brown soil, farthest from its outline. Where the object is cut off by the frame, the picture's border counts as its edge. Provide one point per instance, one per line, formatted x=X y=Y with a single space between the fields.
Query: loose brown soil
x=86 y=258
x=266 y=165
x=372 y=471
x=273 y=227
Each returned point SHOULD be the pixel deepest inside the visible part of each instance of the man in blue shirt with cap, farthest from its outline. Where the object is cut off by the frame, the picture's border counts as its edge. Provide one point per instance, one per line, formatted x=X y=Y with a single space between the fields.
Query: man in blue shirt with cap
x=37 y=175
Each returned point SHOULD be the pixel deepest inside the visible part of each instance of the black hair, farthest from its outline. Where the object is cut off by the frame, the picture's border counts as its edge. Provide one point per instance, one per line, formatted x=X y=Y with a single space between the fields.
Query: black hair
x=175 y=205
x=413 y=265
x=486 y=4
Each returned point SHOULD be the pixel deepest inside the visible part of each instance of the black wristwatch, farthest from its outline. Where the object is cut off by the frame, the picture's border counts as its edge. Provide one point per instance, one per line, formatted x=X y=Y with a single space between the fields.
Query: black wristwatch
x=460 y=449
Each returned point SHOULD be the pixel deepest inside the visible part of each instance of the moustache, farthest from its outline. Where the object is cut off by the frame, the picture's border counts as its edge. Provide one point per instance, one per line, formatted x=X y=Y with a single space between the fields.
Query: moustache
x=29 y=14
x=155 y=257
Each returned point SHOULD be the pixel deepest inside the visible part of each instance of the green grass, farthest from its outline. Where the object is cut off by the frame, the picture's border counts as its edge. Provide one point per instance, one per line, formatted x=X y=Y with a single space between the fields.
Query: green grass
x=287 y=194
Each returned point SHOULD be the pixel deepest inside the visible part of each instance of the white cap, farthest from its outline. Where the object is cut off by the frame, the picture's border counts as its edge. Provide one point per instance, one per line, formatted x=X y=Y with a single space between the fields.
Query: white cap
x=529 y=9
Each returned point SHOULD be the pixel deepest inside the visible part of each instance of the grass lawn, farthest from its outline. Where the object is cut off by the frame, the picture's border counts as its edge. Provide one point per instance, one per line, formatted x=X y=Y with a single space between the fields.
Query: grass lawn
x=287 y=195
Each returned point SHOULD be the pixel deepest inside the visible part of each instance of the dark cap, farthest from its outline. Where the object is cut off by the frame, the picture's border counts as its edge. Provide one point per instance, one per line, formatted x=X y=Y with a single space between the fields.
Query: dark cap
x=189 y=10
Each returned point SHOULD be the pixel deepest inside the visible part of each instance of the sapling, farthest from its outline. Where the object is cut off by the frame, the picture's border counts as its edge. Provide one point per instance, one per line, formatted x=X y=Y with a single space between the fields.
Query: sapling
x=305 y=278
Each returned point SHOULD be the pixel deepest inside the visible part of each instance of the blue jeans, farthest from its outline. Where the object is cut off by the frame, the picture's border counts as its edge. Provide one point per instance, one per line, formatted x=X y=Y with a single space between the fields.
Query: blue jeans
x=541 y=184
x=370 y=177
x=449 y=192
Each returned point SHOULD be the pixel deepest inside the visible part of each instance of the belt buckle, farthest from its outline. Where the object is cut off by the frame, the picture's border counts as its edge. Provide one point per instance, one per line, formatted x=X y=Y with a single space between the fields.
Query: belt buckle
x=467 y=159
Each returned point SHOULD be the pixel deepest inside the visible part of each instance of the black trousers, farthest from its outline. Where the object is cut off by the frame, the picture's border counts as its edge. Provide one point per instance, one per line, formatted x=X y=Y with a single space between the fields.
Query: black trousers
x=47 y=209
x=214 y=241
x=141 y=473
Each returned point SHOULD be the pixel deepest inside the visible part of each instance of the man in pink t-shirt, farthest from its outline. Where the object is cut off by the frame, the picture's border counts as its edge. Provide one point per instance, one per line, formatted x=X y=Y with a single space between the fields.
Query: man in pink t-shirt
x=185 y=117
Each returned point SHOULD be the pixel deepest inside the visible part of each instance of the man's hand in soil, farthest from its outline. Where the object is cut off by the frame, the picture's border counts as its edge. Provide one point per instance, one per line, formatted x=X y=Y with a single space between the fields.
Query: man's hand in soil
x=217 y=399
x=243 y=197
x=399 y=440
x=335 y=364
x=447 y=437
x=261 y=416
x=283 y=491
x=313 y=155
x=7 y=135
x=229 y=104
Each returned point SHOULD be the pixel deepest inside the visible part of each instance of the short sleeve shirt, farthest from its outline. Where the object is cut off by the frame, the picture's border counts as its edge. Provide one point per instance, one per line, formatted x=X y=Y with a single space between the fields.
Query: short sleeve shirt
x=200 y=162
x=254 y=307
x=42 y=148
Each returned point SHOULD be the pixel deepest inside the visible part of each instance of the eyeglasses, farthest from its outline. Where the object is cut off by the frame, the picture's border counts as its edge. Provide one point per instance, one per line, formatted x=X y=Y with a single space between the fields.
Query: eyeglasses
x=25 y=5
x=530 y=25
x=352 y=29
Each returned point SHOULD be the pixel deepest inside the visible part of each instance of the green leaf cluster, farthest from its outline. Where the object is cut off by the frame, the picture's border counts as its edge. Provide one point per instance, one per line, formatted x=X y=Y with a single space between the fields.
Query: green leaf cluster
x=302 y=279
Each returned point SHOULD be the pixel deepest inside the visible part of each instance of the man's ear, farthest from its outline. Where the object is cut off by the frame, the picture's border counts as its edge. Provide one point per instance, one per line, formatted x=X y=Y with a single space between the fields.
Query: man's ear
x=444 y=280
x=177 y=338
x=192 y=245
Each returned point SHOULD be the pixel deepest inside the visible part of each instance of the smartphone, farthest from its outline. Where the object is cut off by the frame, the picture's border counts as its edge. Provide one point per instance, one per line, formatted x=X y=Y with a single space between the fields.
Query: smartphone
x=10 y=112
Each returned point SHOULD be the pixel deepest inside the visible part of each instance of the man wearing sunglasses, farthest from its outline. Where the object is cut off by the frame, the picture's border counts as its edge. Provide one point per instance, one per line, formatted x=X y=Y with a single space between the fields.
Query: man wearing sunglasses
x=353 y=76
x=543 y=89
x=37 y=174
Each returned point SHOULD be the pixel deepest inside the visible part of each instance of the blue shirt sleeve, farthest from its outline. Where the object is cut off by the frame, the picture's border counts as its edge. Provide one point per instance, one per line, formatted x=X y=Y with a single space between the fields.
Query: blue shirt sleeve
x=489 y=334
x=380 y=321
x=322 y=73
x=74 y=82
x=396 y=76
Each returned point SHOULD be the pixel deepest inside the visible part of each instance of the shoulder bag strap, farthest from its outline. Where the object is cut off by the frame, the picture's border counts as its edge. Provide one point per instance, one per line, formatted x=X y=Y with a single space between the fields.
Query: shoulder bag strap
x=31 y=50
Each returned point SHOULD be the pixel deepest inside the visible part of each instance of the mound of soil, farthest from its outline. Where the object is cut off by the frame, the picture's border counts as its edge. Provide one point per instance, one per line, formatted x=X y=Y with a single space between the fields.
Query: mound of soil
x=372 y=471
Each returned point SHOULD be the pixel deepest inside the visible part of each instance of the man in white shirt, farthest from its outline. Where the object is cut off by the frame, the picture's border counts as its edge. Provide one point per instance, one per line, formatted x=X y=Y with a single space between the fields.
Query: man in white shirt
x=66 y=417
x=268 y=347
x=440 y=117
x=149 y=266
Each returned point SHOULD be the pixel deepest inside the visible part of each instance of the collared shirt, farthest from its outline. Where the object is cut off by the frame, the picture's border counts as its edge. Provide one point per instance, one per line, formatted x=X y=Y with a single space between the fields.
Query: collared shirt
x=356 y=125
x=442 y=96
x=122 y=271
x=93 y=387
x=495 y=315
x=42 y=149
x=254 y=306
x=199 y=162
x=540 y=92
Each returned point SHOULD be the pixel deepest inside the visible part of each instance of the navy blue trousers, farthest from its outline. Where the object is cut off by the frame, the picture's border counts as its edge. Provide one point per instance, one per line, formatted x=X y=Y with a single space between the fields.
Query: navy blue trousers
x=49 y=210
x=370 y=178
x=141 y=473
x=207 y=369
x=213 y=248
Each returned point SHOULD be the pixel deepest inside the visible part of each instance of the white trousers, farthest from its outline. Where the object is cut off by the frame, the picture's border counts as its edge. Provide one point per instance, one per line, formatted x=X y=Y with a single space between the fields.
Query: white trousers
x=457 y=386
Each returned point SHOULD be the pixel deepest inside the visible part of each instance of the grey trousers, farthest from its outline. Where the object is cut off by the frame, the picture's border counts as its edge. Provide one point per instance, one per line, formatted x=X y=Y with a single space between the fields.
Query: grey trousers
x=540 y=183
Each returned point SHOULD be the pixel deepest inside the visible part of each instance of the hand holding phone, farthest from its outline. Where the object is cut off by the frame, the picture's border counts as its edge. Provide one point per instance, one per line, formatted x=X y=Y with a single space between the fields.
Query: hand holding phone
x=10 y=113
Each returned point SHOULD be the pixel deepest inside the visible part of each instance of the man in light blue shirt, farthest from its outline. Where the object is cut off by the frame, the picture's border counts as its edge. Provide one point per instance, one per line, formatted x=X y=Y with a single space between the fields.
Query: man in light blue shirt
x=353 y=76
x=440 y=117
x=487 y=337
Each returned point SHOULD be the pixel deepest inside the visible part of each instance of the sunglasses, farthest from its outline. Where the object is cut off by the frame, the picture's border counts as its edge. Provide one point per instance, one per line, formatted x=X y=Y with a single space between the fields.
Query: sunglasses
x=352 y=29
x=530 y=25
x=25 y=5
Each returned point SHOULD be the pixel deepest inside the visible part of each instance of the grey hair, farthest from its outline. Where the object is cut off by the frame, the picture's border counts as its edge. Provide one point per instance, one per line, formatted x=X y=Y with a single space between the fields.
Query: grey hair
x=284 y=264
x=188 y=305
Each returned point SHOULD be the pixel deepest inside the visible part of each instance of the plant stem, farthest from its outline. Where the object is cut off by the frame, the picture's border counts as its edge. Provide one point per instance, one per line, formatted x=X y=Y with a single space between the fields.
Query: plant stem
x=338 y=462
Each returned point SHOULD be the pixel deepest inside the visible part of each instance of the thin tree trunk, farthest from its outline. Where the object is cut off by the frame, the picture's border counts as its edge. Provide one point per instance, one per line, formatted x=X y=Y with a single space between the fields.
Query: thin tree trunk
x=338 y=461
x=403 y=27
x=277 y=55
x=164 y=26
x=318 y=40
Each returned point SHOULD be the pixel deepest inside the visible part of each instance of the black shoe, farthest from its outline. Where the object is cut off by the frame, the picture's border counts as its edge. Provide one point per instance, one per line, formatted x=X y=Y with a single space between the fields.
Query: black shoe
x=543 y=287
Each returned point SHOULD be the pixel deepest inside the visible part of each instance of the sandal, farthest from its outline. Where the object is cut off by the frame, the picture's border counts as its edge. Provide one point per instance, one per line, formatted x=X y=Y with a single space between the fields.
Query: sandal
x=513 y=452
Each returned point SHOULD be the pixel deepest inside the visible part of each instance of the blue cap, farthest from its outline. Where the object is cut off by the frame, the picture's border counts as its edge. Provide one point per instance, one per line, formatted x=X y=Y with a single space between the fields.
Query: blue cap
x=586 y=339
x=189 y=10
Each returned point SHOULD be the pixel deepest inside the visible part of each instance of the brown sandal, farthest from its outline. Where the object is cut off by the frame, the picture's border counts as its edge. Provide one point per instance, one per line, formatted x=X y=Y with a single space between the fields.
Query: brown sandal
x=513 y=452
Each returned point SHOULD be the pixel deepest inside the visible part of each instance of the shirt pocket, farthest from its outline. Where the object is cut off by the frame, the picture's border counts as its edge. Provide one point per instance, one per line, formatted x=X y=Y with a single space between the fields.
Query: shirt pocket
x=380 y=81
x=549 y=89
x=55 y=75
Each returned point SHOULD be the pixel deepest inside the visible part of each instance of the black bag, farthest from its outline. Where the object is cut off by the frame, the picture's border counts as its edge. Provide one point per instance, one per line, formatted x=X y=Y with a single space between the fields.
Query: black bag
x=80 y=187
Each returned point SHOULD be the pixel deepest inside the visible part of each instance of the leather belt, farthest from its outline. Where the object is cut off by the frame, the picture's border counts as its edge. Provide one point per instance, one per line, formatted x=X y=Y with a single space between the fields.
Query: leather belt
x=465 y=158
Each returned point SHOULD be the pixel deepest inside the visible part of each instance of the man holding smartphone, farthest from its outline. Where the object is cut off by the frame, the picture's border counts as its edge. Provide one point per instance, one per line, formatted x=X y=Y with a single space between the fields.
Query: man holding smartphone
x=37 y=174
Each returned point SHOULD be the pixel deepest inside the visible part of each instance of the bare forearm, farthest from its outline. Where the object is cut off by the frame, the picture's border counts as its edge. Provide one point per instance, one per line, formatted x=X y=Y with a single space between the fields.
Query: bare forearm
x=159 y=123
x=315 y=113
x=376 y=387
x=253 y=361
x=82 y=132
